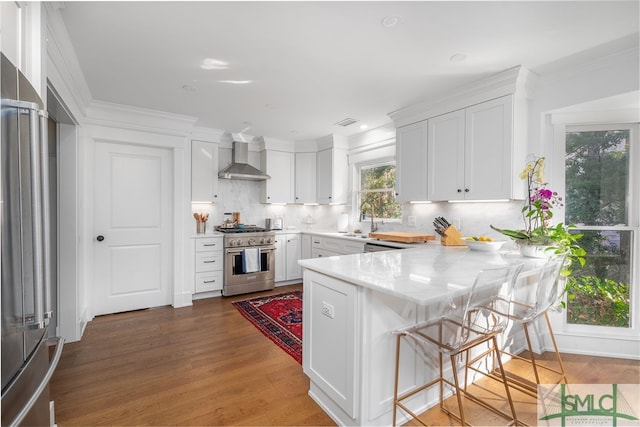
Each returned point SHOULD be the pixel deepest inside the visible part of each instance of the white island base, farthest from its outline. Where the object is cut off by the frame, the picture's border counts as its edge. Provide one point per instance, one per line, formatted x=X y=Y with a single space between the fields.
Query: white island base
x=352 y=304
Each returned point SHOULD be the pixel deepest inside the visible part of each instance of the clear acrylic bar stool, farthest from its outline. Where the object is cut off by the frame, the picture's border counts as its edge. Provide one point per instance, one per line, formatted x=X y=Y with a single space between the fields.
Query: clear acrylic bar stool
x=470 y=322
x=534 y=292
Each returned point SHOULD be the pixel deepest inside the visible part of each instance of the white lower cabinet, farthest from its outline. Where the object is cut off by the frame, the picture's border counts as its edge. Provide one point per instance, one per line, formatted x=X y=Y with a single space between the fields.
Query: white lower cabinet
x=349 y=351
x=329 y=358
x=305 y=249
x=328 y=246
x=288 y=252
x=209 y=260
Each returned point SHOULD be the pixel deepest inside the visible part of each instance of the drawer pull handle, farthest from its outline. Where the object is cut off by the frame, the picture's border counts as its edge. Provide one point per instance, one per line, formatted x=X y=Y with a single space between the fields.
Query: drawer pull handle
x=209 y=262
x=209 y=244
x=209 y=281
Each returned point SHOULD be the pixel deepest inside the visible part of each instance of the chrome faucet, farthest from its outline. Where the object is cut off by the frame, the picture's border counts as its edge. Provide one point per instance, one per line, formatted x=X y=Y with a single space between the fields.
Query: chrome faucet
x=374 y=226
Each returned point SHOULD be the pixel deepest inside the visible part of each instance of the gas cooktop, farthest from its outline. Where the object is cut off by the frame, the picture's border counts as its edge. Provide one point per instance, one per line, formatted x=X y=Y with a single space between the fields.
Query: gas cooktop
x=245 y=229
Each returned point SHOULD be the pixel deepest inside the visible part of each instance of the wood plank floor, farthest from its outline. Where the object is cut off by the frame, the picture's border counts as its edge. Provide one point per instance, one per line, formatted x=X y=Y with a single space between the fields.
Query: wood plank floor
x=207 y=365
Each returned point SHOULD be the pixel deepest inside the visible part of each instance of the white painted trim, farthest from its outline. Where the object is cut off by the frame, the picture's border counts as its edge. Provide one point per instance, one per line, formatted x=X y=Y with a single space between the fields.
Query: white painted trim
x=514 y=80
x=207 y=134
x=70 y=304
x=181 y=283
x=63 y=68
x=128 y=117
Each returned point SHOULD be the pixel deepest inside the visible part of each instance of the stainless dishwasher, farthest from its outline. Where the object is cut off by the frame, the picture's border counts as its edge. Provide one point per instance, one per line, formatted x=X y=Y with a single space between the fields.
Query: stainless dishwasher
x=377 y=247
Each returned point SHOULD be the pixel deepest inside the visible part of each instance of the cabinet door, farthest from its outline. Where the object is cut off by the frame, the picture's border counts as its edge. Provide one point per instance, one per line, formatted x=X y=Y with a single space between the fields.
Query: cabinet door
x=281 y=258
x=204 y=171
x=332 y=176
x=411 y=162
x=305 y=246
x=280 y=165
x=446 y=156
x=488 y=149
x=294 y=271
x=305 y=184
x=324 y=172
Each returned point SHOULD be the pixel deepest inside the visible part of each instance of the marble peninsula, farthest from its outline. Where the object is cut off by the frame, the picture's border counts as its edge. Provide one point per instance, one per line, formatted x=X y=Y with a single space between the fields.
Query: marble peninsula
x=351 y=305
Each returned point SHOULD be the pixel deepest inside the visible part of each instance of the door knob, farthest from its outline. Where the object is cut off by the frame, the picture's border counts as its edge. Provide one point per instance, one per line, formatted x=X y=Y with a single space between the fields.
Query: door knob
x=100 y=238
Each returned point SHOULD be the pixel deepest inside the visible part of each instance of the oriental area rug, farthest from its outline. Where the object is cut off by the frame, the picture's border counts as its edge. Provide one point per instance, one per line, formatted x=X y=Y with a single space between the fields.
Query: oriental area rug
x=279 y=318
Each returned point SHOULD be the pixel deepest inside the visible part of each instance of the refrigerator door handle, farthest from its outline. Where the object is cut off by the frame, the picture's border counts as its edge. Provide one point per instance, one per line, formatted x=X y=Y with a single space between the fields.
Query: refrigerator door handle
x=45 y=380
x=37 y=220
x=46 y=241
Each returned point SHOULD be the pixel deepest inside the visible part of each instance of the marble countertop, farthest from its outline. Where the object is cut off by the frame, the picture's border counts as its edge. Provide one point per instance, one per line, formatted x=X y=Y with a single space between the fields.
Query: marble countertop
x=364 y=238
x=423 y=275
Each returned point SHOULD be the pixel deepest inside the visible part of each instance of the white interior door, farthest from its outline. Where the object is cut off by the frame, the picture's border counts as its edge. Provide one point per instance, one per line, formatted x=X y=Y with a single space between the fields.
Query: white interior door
x=133 y=227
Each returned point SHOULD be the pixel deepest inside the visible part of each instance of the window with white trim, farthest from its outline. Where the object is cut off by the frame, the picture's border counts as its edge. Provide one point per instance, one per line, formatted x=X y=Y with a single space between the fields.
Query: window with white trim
x=601 y=199
x=376 y=192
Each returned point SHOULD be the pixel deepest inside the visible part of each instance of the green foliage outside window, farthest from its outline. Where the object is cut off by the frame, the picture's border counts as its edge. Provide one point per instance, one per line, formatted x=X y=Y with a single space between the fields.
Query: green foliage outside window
x=377 y=192
x=597 y=185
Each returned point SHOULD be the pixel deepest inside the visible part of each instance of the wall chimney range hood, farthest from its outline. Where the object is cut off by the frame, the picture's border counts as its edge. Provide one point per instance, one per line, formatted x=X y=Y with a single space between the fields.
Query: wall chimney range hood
x=240 y=167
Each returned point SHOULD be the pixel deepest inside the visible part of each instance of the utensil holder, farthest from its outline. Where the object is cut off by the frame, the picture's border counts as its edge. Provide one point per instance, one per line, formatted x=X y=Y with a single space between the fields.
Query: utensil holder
x=201 y=227
x=452 y=237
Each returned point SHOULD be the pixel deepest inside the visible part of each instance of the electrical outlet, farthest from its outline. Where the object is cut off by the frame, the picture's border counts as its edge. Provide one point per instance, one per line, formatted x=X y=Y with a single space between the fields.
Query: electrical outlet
x=327 y=309
x=411 y=221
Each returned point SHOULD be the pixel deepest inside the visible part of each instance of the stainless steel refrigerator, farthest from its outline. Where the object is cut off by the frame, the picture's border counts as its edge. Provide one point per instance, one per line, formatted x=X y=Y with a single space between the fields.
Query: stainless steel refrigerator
x=26 y=362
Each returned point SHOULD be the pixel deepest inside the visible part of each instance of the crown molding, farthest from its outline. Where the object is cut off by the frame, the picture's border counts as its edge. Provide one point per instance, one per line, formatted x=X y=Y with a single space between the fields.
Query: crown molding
x=63 y=68
x=127 y=117
x=511 y=81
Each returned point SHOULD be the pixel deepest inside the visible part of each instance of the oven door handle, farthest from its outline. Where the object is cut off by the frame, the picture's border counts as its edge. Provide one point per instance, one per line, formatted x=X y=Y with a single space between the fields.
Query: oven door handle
x=239 y=251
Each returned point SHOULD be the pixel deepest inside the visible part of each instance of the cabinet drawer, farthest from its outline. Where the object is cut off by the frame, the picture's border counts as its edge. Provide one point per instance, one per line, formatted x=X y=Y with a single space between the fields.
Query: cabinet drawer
x=333 y=245
x=208 y=281
x=320 y=253
x=208 y=261
x=316 y=242
x=353 y=248
x=208 y=244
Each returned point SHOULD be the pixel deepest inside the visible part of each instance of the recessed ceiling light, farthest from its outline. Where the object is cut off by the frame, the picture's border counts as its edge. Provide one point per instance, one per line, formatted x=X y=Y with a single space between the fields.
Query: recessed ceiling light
x=236 y=82
x=213 y=64
x=391 y=21
x=364 y=127
x=458 y=57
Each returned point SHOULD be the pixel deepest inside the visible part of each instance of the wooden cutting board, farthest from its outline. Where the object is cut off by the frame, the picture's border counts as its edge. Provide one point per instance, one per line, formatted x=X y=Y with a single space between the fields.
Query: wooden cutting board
x=402 y=237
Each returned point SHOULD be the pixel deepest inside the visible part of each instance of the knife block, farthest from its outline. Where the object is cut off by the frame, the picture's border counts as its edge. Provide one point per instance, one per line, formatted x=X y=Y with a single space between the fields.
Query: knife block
x=452 y=237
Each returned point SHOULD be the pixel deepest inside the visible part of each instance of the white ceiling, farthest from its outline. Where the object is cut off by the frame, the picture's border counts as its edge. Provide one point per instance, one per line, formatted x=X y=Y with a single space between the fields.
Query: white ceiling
x=313 y=64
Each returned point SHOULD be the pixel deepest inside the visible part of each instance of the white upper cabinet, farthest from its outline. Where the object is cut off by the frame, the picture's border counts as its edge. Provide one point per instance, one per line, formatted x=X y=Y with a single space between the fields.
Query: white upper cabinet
x=305 y=184
x=488 y=166
x=411 y=162
x=280 y=165
x=204 y=171
x=446 y=157
x=476 y=141
x=470 y=152
x=332 y=176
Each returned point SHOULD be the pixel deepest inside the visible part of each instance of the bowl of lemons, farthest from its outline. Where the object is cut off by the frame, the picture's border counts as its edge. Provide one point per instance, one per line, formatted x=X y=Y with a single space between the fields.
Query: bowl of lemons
x=483 y=243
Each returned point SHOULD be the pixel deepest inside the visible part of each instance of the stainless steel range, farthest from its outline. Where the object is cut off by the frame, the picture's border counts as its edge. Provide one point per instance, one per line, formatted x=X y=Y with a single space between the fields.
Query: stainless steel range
x=249 y=260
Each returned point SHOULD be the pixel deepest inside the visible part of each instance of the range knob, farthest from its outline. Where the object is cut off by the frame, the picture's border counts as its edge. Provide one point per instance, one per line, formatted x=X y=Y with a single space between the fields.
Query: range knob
x=268 y=240
x=262 y=240
x=239 y=242
x=252 y=242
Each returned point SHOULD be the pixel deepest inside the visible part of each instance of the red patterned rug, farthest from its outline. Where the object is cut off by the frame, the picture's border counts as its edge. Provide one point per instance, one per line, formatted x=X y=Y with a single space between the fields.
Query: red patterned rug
x=279 y=317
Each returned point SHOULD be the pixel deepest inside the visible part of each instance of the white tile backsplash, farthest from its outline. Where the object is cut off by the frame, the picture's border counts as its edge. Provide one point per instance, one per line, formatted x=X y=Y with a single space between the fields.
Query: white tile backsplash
x=475 y=218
